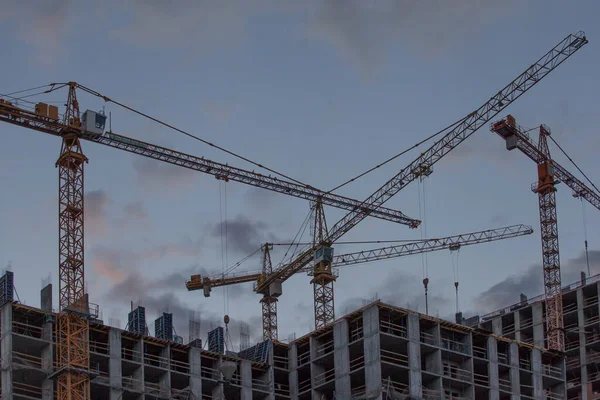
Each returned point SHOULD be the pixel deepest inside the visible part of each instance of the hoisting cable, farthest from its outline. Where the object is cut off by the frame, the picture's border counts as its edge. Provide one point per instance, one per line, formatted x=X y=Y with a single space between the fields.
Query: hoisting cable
x=574 y=164
x=397 y=155
x=298 y=236
x=106 y=99
x=423 y=260
x=456 y=249
x=585 y=236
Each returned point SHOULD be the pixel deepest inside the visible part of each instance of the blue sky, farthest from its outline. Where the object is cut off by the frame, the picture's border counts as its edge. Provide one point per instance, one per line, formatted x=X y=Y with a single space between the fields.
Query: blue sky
x=320 y=92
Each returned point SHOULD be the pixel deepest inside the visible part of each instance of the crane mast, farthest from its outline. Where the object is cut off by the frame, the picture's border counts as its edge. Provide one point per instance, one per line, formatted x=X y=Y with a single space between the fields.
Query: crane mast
x=549 y=174
x=422 y=165
x=72 y=328
x=198 y=282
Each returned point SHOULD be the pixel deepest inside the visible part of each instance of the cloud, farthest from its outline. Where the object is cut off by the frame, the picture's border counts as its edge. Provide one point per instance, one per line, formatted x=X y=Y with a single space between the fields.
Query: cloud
x=161 y=294
x=186 y=24
x=365 y=32
x=243 y=235
x=96 y=212
x=402 y=290
x=135 y=210
x=530 y=282
x=158 y=176
x=42 y=24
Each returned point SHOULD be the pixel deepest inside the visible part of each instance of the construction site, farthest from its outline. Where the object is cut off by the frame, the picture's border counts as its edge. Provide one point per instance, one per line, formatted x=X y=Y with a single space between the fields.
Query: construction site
x=545 y=347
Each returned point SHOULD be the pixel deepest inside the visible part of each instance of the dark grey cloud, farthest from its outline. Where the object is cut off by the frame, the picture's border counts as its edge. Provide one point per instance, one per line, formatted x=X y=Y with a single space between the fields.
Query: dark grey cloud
x=165 y=293
x=530 y=282
x=96 y=211
x=160 y=176
x=243 y=235
x=367 y=32
x=135 y=210
x=405 y=291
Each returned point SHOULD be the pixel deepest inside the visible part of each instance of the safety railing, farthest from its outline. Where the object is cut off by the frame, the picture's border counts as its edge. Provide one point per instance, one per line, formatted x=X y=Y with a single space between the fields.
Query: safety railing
x=154 y=389
x=480 y=379
x=550 y=370
x=180 y=366
x=356 y=333
x=132 y=384
x=430 y=394
x=25 y=389
x=99 y=347
x=208 y=397
x=525 y=364
x=393 y=388
x=526 y=339
x=572 y=326
x=394 y=358
x=180 y=394
x=567 y=308
x=590 y=301
x=209 y=373
x=508 y=329
x=324 y=377
x=572 y=345
x=303 y=358
x=573 y=363
x=449 y=396
x=553 y=396
x=573 y=382
x=504 y=384
x=21 y=328
x=280 y=362
x=304 y=385
x=480 y=352
x=156 y=361
x=324 y=349
x=526 y=389
x=358 y=392
x=454 y=345
x=131 y=354
x=393 y=329
x=357 y=363
x=282 y=389
x=460 y=374
x=525 y=323
x=503 y=358
x=591 y=320
x=261 y=384
x=427 y=338
x=27 y=360
x=593 y=376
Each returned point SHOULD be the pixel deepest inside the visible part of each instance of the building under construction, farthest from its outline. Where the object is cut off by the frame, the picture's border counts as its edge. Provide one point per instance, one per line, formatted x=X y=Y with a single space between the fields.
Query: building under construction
x=376 y=352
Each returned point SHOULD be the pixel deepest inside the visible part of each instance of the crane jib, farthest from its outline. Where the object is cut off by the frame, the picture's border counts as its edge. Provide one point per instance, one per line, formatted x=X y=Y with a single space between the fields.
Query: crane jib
x=468 y=125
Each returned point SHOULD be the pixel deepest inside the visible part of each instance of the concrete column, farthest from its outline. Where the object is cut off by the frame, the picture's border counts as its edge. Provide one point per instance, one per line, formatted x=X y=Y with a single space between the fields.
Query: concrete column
x=315 y=369
x=246 y=375
x=217 y=392
x=48 y=358
x=582 y=352
x=194 y=358
x=537 y=310
x=537 y=378
x=497 y=326
x=293 y=366
x=414 y=356
x=515 y=377
x=6 y=351
x=517 y=316
x=271 y=374
x=165 y=379
x=492 y=352
x=115 y=375
x=372 y=352
x=138 y=374
x=341 y=359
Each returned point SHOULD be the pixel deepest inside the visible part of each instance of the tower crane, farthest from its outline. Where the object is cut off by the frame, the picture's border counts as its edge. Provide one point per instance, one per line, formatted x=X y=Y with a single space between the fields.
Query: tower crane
x=72 y=327
x=421 y=166
x=550 y=173
x=269 y=303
